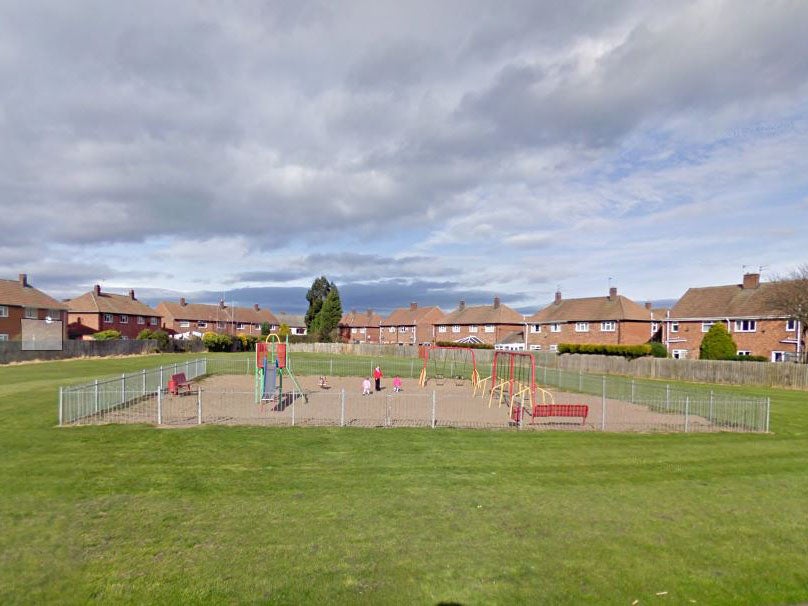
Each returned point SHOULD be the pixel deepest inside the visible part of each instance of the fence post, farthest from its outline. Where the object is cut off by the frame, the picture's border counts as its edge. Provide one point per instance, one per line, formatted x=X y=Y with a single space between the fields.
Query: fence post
x=387 y=411
x=123 y=388
x=342 y=408
x=61 y=411
x=144 y=382
x=199 y=406
x=293 y=410
x=711 y=406
x=160 y=386
x=159 y=406
x=667 y=397
x=603 y=404
x=96 y=396
x=687 y=412
x=331 y=366
x=632 y=391
x=580 y=380
x=768 y=410
x=187 y=368
x=434 y=402
x=412 y=368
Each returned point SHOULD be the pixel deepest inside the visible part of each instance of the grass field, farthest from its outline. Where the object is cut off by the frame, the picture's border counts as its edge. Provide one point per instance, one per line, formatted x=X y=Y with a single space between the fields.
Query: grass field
x=134 y=514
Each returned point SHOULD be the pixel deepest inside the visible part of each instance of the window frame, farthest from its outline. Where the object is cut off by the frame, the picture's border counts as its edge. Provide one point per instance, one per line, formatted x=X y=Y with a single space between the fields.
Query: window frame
x=608 y=326
x=123 y=318
x=108 y=319
x=27 y=311
x=3 y=311
x=706 y=326
x=745 y=326
x=441 y=329
x=489 y=328
x=141 y=320
x=555 y=327
x=791 y=325
x=582 y=327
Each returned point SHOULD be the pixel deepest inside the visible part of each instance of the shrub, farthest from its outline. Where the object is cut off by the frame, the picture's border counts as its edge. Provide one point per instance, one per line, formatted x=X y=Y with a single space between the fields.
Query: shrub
x=626 y=351
x=107 y=335
x=466 y=345
x=163 y=342
x=717 y=344
x=247 y=342
x=658 y=349
x=738 y=358
x=216 y=342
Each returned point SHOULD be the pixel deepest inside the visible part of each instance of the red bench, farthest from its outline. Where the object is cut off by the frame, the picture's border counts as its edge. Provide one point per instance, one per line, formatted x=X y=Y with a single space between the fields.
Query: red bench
x=561 y=410
x=178 y=383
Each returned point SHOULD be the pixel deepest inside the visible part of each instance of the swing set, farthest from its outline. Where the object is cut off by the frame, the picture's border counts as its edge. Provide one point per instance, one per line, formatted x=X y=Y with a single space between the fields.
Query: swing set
x=442 y=363
x=270 y=369
x=513 y=382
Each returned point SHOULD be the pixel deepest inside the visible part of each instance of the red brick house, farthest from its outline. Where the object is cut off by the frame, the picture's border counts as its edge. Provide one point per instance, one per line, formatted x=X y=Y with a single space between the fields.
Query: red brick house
x=296 y=324
x=95 y=311
x=183 y=317
x=744 y=308
x=411 y=325
x=489 y=324
x=611 y=320
x=19 y=301
x=360 y=327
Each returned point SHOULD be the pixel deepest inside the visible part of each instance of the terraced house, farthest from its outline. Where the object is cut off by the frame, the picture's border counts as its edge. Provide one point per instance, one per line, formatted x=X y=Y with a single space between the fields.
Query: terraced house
x=189 y=318
x=491 y=324
x=95 y=311
x=360 y=327
x=611 y=320
x=22 y=306
x=411 y=325
x=745 y=309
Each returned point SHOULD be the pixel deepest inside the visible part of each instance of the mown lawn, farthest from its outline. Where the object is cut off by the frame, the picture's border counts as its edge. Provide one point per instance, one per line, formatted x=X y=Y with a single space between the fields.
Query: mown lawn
x=134 y=514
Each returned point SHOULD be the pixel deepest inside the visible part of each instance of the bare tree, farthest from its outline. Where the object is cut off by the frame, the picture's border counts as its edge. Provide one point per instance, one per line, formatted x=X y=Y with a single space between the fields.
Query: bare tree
x=788 y=295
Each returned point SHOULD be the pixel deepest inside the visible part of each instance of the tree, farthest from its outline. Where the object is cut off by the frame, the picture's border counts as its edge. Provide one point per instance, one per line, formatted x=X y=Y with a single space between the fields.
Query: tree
x=216 y=342
x=327 y=321
x=158 y=335
x=284 y=331
x=788 y=295
x=316 y=297
x=266 y=328
x=717 y=344
x=107 y=335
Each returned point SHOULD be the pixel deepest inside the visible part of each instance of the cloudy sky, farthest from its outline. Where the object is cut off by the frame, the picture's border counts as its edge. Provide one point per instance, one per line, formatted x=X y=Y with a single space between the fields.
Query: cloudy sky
x=410 y=151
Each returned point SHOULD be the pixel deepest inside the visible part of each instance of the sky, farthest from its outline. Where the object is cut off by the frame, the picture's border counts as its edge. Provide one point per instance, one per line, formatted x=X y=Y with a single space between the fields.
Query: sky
x=409 y=151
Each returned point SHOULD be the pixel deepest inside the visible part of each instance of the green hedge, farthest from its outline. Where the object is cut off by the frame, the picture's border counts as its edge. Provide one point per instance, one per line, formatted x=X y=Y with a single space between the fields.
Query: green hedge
x=626 y=351
x=749 y=358
x=465 y=345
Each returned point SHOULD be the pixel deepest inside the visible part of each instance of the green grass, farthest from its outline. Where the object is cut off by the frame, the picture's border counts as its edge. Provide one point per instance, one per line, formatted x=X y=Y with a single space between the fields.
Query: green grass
x=134 y=514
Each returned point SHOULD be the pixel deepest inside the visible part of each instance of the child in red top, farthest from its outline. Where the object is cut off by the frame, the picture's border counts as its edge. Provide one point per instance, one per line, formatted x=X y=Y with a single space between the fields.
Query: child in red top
x=377 y=375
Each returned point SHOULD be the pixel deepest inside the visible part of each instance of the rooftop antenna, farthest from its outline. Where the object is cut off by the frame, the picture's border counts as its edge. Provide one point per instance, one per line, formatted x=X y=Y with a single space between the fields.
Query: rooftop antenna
x=761 y=268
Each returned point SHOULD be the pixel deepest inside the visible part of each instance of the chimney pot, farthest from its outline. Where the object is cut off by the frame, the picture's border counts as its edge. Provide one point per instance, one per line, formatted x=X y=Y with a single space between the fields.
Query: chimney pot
x=132 y=293
x=256 y=307
x=413 y=306
x=24 y=280
x=751 y=280
x=97 y=290
x=496 y=302
x=648 y=305
x=613 y=293
x=558 y=296
x=182 y=302
x=221 y=303
x=462 y=305
x=370 y=313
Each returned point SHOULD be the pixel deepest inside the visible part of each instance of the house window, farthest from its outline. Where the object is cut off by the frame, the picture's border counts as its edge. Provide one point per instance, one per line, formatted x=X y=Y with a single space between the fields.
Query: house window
x=745 y=325
x=257 y=326
x=791 y=325
x=674 y=326
x=220 y=325
x=402 y=329
x=554 y=347
x=679 y=354
x=608 y=326
x=3 y=311
x=201 y=324
x=778 y=356
x=141 y=320
x=31 y=313
x=455 y=328
x=535 y=328
x=489 y=328
x=273 y=327
x=153 y=321
x=744 y=352
x=185 y=324
x=54 y=314
x=108 y=318
x=441 y=329
x=706 y=326
x=354 y=330
x=654 y=327
x=3 y=336
x=241 y=326
x=361 y=331
x=555 y=327
x=124 y=319
x=535 y=348
x=472 y=328
x=582 y=327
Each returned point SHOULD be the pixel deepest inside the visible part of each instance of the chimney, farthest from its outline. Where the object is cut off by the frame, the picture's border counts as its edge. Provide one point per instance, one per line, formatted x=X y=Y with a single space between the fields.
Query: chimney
x=612 y=293
x=24 y=280
x=221 y=303
x=413 y=306
x=496 y=302
x=558 y=296
x=97 y=290
x=648 y=305
x=370 y=313
x=182 y=302
x=751 y=281
x=256 y=307
x=462 y=305
x=132 y=294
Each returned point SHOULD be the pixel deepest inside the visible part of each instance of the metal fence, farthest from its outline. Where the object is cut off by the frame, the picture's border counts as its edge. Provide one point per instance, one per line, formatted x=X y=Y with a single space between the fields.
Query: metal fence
x=612 y=403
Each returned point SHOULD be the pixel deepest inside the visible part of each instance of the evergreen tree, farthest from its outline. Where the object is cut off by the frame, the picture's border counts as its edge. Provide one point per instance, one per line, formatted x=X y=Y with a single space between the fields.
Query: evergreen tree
x=316 y=296
x=718 y=344
x=327 y=321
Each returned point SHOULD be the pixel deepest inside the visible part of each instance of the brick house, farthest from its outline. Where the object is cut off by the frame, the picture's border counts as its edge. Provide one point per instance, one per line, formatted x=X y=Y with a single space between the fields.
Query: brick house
x=755 y=327
x=20 y=301
x=184 y=317
x=95 y=311
x=489 y=324
x=611 y=320
x=296 y=324
x=360 y=327
x=411 y=325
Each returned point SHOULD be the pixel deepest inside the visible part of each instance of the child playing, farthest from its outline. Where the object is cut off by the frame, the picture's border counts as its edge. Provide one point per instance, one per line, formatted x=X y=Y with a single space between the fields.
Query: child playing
x=397 y=383
x=366 y=387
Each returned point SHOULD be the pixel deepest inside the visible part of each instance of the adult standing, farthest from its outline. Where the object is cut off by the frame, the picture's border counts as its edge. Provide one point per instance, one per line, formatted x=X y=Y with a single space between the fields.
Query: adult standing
x=377 y=376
